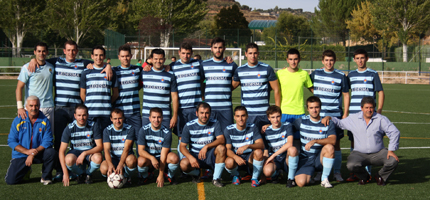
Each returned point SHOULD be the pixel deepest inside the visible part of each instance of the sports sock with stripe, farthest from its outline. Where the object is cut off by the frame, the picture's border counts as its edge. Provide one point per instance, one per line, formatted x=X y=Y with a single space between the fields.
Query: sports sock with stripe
x=172 y=168
x=233 y=171
x=218 y=170
x=292 y=166
x=143 y=171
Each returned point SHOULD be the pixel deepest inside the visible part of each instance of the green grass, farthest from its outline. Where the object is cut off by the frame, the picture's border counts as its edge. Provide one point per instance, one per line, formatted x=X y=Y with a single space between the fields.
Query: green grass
x=409 y=181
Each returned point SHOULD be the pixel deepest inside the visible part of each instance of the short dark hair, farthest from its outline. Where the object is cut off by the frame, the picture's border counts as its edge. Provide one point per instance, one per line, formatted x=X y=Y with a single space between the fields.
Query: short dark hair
x=40 y=44
x=99 y=47
x=70 y=42
x=368 y=100
x=361 y=51
x=117 y=111
x=329 y=53
x=251 y=46
x=218 y=40
x=240 y=108
x=313 y=99
x=107 y=58
x=156 y=110
x=138 y=60
x=158 y=52
x=81 y=106
x=186 y=46
x=293 y=51
x=273 y=109
x=124 y=48
x=203 y=105
x=198 y=56
x=173 y=57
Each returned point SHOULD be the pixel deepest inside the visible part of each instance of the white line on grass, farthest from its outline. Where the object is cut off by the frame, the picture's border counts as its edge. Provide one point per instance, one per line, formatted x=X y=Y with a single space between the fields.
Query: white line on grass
x=404 y=112
x=6 y=106
x=7 y=118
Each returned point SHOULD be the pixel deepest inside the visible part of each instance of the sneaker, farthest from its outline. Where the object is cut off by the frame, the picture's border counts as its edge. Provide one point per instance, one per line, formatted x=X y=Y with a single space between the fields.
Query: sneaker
x=236 y=180
x=195 y=179
x=58 y=177
x=318 y=176
x=127 y=181
x=338 y=177
x=255 y=183
x=172 y=180
x=247 y=177
x=217 y=183
x=45 y=182
x=207 y=174
x=290 y=183
x=88 y=179
x=81 y=179
x=325 y=183
x=27 y=175
x=352 y=177
x=143 y=181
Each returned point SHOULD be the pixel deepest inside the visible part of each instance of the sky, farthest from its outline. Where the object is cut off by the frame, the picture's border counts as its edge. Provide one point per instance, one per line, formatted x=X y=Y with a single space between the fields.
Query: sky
x=306 y=5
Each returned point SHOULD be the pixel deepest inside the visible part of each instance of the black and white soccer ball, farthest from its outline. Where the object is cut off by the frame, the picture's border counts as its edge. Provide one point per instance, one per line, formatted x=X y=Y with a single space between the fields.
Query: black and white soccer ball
x=115 y=181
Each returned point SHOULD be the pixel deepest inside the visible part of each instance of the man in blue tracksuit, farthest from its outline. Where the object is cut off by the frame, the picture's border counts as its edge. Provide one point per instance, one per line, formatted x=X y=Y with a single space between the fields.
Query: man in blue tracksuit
x=31 y=142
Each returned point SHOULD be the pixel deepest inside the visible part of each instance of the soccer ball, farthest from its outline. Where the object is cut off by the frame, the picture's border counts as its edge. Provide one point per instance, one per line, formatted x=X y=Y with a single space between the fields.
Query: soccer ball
x=115 y=181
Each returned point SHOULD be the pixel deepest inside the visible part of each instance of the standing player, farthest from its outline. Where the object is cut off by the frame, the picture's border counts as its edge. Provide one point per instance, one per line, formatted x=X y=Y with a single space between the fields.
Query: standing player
x=38 y=83
x=244 y=147
x=118 y=147
x=159 y=89
x=96 y=90
x=154 y=141
x=329 y=85
x=207 y=150
x=317 y=151
x=85 y=146
x=278 y=139
x=256 y=80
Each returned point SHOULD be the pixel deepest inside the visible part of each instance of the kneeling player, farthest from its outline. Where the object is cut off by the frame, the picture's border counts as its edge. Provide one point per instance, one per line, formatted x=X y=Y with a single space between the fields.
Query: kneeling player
x=118 y=142
x=85 y=143
x=318 y=141
x=154 y=141
x=206 y=142
x=244 y=147
x=279 y=144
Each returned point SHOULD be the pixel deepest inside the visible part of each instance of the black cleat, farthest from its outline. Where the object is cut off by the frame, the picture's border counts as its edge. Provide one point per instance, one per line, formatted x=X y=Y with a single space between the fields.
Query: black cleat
x=217 y=183
x=88 y=179
x=290 y=183
x=195 y=179
x=81 y=179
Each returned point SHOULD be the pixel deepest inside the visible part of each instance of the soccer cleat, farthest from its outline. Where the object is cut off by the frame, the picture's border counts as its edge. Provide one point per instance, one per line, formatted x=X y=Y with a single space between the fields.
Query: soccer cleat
x=45 y=182
x=275 y=179
x=143 y=181
x=72 y=176
x=290 y=183
x=325 y=183
x=80 y=179
x=195 y=179
x=236 y=180
x=207 y=174
x=88 y=179
x=217 y=183
x=352 y=177
x=172 y=180
x=318 y=176
x=247 y=177
x=127 y=181
x=255 y=183
x=58 y=177
x=338 y=177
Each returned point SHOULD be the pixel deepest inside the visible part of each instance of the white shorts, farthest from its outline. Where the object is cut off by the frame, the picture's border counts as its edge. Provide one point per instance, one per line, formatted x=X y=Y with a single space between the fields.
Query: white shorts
x=49 y=113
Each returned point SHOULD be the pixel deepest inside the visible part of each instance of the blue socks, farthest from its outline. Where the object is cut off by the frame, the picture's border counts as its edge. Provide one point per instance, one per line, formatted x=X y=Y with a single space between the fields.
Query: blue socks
x=233 y=171
x=76 y=169
x=128 y=171
x=143 y=171
x=257 y=166
x=194 y=172
x=327 y=165
x=337 y=161
x=218 y=170
x=369 y=169
x=172 y=168
x=92 y=167
x=292 y=166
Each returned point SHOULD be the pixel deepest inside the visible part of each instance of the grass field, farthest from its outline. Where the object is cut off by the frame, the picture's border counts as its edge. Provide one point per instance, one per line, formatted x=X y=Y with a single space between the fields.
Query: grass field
x=405 y=105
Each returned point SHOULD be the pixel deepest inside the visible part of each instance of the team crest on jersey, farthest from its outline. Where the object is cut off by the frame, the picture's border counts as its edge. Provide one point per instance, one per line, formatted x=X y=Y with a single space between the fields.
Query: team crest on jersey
x=40 y=130
x=88 y=135
x=192 y=67
x=247 y=139
x=365 y=81
x=283 y=136
x=209 y=133
x=258 y=75
x=76 y=67
x=321 y=132
x=132 y=73
x=50 y=70
x=162 y=80
x=105 y=77
x=123 y=140
x=332 y=82
x=223 y=69
x=160 y=141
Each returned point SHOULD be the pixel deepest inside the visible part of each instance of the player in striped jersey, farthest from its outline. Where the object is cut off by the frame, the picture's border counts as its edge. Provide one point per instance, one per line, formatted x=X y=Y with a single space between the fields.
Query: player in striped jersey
x=329 y=85
x=244 y=148
x=96 y=90
x=317 y=149
x=278 y=139
x=207 y=150
x=129 y=77
x=154 y=141
x=85 y=146
x=256 y=80
x=159 y=89
x=118 y=147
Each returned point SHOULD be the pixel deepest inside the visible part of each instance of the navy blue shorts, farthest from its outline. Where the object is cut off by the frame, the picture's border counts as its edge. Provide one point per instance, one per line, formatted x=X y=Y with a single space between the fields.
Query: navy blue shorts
x=209 y=162
x=309 y=164
x=245 y=167
x=225 y=117
x=280 y=163
x=339 y=133
x=258 y=120
x=184 y=116
x=291 y=119
x=350 y=136
x=78 y=152
x=135 y=120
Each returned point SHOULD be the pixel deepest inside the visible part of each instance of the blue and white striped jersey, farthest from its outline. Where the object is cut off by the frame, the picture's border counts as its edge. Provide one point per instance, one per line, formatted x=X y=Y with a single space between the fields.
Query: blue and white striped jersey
x=154 y=141
x=329 y=86
x=274 y=139
x=67 y=79
x=363 y=84
x=117 y=139
x=157 y=86
x=188 y=78
x=81 y=138
x=198 y=135
x=255 y=86
x=238 y=138
x=310 y=130
x=218 y=75
x=128 y=86
x=98 y=92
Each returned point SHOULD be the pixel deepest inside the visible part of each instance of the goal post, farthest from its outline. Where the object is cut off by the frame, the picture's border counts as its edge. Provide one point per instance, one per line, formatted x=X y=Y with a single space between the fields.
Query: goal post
x=205 y=53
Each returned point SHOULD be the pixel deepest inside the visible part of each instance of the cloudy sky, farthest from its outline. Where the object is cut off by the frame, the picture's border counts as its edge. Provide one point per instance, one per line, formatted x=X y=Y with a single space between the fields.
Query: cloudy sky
x=306 y=5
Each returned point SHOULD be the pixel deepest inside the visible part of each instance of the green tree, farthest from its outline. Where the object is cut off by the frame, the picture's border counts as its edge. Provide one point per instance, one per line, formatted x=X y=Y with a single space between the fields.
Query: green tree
x=18 y=18
x=229 y=21
x=293 y=26
x=407 y=18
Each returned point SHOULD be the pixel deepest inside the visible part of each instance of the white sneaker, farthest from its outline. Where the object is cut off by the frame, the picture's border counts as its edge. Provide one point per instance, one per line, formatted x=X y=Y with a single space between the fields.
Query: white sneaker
x=325 y=183
x=45 y=182
x=318 y=176
x=338 y=177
